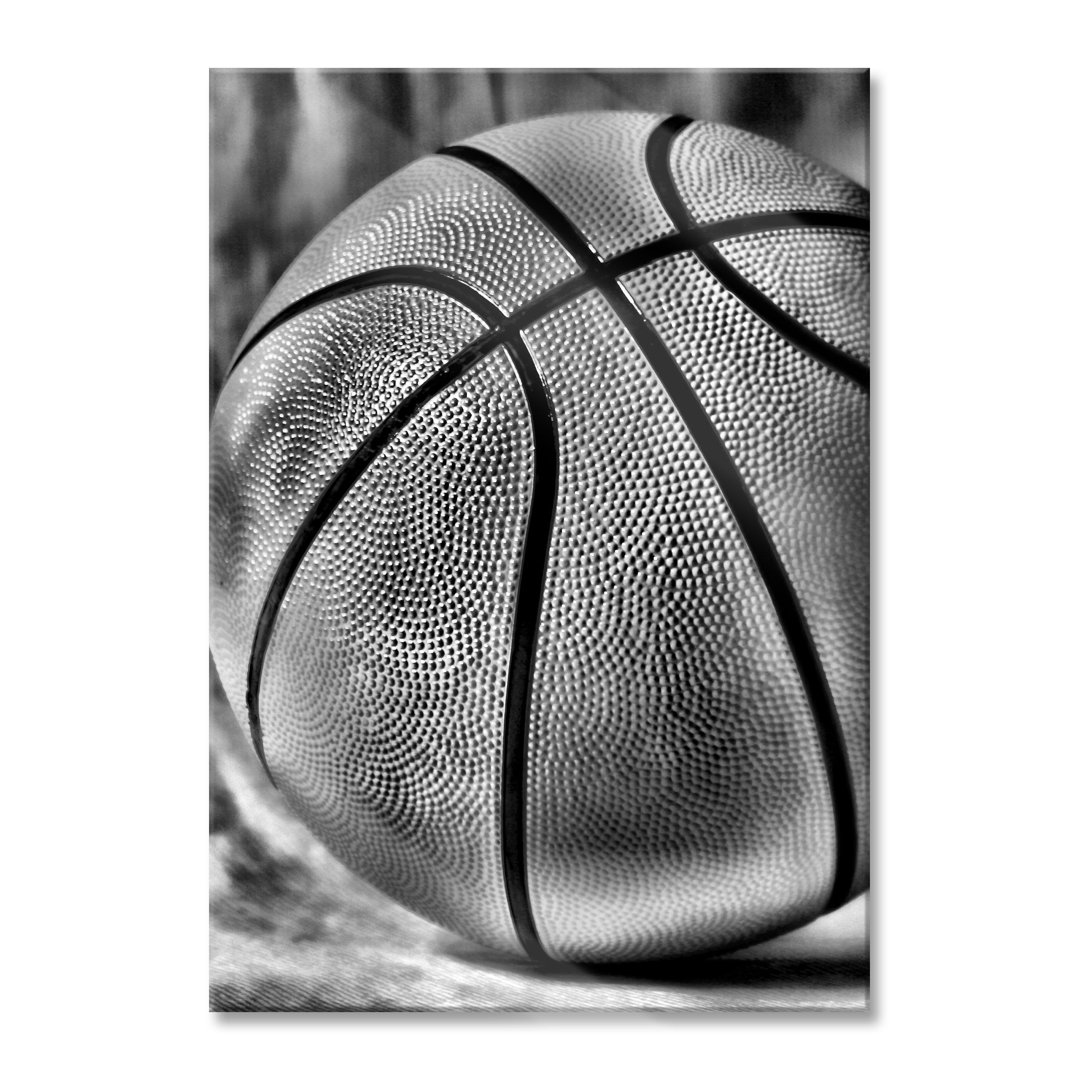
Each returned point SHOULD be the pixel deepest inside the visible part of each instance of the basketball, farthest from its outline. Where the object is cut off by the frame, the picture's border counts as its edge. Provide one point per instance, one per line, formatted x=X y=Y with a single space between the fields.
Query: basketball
x=539 y=536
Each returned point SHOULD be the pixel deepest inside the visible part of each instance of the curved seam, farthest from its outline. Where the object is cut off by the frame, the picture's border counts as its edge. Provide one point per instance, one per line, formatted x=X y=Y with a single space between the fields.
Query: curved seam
x=339 y=486
x=447 y=284
x=440 y=281
x=788 y=327
x=785 y=600
x=773 y=575
x=732 y=487
x=324 y=506
x=658 y=166
x=528 y=603
x=503 y=330
x=532 y=568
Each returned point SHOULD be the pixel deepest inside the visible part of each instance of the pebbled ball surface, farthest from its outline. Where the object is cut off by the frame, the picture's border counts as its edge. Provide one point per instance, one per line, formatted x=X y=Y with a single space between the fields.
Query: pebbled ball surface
x=658 y=837
x=440 y=214
x=722 y=172
x=287 y=420
x=799 y=435
x=674 y=785
x=382 y=712
x=817 y=276
x=607 y=195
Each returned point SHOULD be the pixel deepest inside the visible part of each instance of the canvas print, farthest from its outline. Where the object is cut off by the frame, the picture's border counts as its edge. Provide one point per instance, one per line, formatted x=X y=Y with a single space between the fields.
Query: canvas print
x=539 y=540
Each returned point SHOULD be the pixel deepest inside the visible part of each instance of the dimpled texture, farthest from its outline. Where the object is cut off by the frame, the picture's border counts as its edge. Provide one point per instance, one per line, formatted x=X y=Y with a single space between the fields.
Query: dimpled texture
x=675 y=792
x=799 y=434
x=819 y=277
x=382 y=702
x=677 y=797
x=608 y=195
x=722 y=172
x=440 y=214
x=286 y=421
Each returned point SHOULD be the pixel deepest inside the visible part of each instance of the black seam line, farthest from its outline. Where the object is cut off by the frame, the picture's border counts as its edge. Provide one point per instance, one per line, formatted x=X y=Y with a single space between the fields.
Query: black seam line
x=530 y=583
x=527 y=607
x=564 y=229
x=502 y=330
x=771 y=569
x=739 y=501
x=342 y=482
x=658 y=165
x=699 y=235
x=329 y=499
x=790 y=329
x=443 y=281
x=789 y=610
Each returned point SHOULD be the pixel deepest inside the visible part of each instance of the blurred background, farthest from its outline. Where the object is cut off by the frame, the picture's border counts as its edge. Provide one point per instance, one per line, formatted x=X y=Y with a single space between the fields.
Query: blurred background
x=290 y=928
